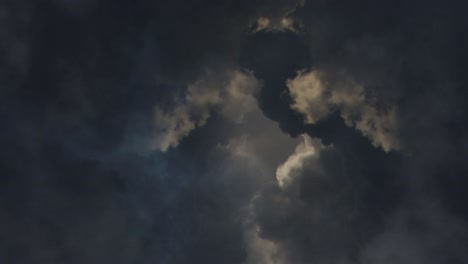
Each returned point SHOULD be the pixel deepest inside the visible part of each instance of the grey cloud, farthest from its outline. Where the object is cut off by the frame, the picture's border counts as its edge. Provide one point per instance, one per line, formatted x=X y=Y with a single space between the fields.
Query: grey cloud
x=425 y=235
x=250 y=162
x=398 y=61
x=314 y=217
x=82 y=85
x=277 y=19
x=317 y=96
x=232 y=96
x=285 y=172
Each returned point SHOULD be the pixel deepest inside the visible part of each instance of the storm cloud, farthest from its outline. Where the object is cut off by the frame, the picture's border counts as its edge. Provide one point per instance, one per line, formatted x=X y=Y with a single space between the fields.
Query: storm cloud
x=243 y=132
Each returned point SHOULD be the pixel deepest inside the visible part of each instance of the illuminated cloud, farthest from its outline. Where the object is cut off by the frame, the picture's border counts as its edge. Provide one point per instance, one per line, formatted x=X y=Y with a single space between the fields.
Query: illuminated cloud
x=278 y=19
x=317 y=97
x=231 y=94
x=304 y=150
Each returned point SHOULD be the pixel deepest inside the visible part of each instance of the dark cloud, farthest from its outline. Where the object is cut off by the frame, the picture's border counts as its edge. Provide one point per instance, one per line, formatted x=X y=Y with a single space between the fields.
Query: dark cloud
x=274 y=57
x=332 y=206
x=406 y=55
x=402 y=53
x=89 y=87
x=80 y=82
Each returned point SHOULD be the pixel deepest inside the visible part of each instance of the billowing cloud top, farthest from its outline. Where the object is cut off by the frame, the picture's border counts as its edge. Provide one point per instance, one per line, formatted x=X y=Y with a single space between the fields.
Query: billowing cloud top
x=234 y=132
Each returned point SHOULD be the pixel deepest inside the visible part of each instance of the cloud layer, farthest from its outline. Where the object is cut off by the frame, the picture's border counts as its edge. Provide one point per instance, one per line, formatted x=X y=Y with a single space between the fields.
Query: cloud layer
x=243 y=132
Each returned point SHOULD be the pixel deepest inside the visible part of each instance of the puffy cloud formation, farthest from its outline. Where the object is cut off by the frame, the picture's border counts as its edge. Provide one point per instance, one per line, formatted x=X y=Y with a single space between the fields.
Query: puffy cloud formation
x=236 y=132
x=317 y=98
x=232 y=96
x=285 y=171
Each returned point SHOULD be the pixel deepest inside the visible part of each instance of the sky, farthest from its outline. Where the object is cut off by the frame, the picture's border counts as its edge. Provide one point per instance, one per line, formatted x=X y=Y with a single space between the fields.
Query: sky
x=233 y=132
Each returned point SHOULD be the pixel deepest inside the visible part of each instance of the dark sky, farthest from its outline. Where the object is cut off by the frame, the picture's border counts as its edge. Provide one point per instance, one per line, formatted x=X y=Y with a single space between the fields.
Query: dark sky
x=233 y=132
